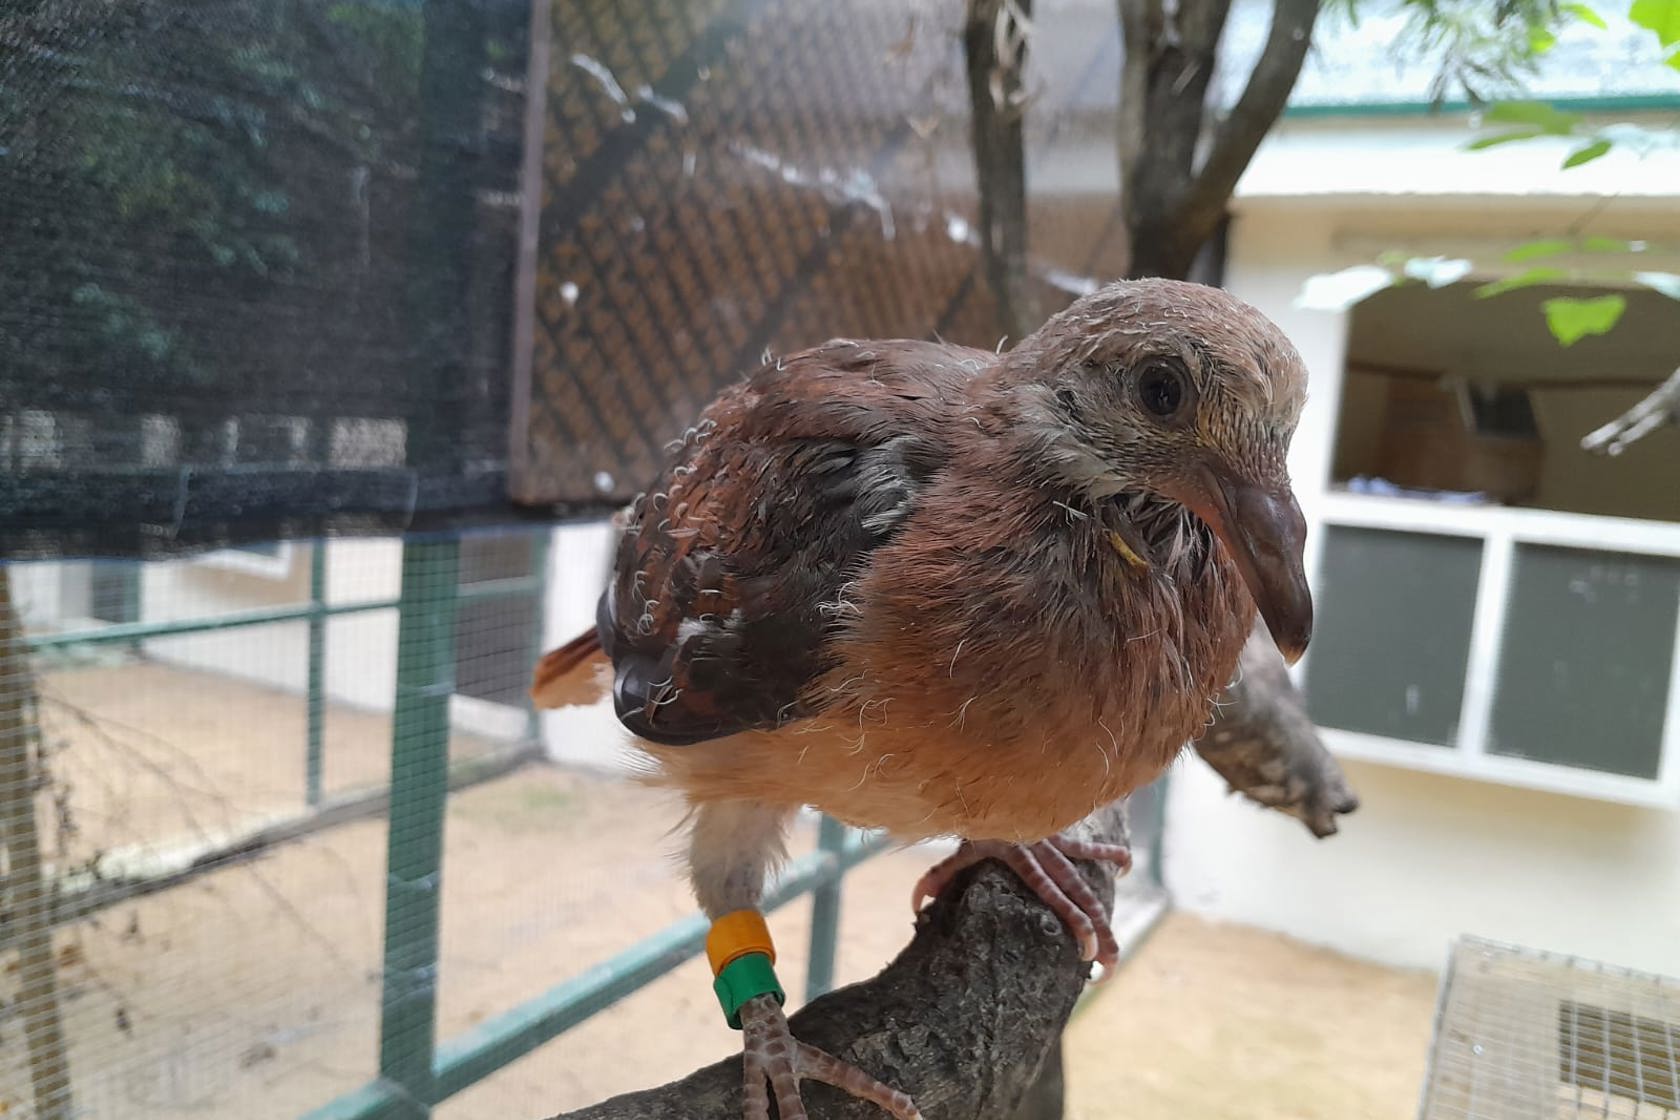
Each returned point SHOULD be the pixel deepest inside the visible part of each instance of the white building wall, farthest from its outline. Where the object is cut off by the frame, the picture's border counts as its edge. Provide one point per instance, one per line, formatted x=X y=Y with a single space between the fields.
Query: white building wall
x=1426 y=857
x=36 y=594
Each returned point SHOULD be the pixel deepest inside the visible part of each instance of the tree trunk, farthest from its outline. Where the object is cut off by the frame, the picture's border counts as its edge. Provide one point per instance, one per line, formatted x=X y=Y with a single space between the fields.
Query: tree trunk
x=995 y=45
x=1171 y=202
x=966 y=1019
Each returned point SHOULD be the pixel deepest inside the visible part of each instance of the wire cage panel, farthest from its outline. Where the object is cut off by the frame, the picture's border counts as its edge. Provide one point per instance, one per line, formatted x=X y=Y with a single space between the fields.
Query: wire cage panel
x=1521 y=1033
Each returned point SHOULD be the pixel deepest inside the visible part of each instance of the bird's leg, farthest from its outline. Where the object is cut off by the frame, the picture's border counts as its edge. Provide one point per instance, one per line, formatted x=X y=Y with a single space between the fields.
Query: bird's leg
x=1046 y=867
x=732 y=848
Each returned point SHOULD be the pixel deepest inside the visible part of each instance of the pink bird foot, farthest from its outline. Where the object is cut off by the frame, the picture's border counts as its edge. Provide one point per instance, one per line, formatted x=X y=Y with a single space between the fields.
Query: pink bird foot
x=773 y=1061
x=1046 y=867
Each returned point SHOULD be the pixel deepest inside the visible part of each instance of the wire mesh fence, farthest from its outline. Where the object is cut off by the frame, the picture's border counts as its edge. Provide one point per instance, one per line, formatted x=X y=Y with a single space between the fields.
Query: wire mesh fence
x=283 y=838
x=205 y=800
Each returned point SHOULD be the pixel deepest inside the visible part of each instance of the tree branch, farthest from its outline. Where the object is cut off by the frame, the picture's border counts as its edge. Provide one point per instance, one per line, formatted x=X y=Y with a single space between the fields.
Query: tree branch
x=1264 y=744
x=963 y=1019
x=1263 y=98
x=1661 y=407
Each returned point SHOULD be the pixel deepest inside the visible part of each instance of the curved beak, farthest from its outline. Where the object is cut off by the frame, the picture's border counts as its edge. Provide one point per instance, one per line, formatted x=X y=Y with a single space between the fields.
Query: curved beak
x=1262 y=528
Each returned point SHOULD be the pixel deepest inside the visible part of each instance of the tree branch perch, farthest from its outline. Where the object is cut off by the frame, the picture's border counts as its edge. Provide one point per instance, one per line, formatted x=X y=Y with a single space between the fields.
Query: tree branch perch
x=1661 y=407
x=1266 y=747
x=963 y=1019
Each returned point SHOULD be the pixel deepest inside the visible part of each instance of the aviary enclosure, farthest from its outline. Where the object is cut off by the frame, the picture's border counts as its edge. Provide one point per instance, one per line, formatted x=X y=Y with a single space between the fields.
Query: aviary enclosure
x=315 y=320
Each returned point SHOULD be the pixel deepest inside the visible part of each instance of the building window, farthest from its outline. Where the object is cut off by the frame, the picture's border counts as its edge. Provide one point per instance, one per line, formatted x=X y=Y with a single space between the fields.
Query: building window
x=1393 y=639
x=1493 y=601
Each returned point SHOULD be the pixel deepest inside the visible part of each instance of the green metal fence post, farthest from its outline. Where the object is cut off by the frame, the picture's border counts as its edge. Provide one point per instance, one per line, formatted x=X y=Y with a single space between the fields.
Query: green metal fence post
x=414 y=853
x=317 y=671
x=825 y=915
x=1158 y=838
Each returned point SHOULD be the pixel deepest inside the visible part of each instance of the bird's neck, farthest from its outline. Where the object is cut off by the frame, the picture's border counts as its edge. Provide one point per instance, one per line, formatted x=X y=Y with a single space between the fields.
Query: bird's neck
x=1016 y=442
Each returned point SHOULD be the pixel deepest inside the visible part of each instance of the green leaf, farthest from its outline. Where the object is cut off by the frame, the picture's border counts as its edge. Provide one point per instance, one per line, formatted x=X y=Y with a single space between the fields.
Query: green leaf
x=1586 y=15
x=1660 y=16
x=1665 y=282
x=1497 y=138
x=1540 y=40
x=1543 y=274
x=1673 y=61
x=1570 y=320
x=1534 y=250
x=1555 y=246
x=1536 y=114
x=1586 y=153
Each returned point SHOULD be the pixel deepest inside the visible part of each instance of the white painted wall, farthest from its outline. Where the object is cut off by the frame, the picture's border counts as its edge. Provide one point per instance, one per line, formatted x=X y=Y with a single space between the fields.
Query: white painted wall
x=1427 y=857
x=37 y=594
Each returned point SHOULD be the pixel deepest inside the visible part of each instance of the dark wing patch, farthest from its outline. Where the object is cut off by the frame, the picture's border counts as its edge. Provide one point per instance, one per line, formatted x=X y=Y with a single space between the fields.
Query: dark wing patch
x=722 y=630
x=730 y=578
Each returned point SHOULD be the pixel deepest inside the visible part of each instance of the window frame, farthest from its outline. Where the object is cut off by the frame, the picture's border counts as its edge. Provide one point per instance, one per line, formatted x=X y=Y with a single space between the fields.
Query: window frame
x=1501 y=529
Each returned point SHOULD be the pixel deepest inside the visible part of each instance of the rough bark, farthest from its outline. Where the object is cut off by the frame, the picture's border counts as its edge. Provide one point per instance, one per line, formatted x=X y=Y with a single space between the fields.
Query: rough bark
x=963 y=1019
x=1044 y=1098
x=1661 y=407
x=1172 y=204
x=1265 y=745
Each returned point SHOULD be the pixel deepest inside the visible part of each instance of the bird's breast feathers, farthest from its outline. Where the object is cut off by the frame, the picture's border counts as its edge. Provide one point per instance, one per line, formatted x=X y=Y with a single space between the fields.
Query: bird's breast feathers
x=997 y=681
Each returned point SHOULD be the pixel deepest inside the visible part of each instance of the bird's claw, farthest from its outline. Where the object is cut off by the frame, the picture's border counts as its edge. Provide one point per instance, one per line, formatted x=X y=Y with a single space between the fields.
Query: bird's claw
x=773 y=1062
x=1046 y=867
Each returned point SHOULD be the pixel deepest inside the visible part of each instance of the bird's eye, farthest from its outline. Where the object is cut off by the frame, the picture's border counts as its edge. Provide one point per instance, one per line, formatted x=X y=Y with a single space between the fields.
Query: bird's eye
x=1163 y=390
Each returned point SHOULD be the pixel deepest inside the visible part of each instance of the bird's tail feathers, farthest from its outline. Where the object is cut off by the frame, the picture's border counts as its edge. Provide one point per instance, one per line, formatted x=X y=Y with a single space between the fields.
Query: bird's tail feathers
x=576 y=674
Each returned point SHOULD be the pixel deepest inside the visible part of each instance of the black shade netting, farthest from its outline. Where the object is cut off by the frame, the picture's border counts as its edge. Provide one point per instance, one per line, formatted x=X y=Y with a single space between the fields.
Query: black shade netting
x=257 y=263
x=274 y=269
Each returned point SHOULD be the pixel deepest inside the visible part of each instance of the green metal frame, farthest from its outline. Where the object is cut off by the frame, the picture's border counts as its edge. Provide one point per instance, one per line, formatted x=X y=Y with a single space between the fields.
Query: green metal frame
x=268 y=616
x=825 y=915
x=317 y=688
x=414 y=836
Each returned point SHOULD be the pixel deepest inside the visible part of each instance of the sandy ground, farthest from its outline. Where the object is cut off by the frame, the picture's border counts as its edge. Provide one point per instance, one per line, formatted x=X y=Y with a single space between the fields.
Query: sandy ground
x=253 y=992
x=1219 y=1021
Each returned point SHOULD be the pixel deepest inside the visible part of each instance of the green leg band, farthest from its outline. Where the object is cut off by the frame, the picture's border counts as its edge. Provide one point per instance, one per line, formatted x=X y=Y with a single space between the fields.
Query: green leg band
x=745 y=978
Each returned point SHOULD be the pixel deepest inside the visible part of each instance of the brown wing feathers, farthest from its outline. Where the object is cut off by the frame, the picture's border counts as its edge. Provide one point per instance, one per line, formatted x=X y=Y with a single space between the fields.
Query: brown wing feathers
x=731 y=571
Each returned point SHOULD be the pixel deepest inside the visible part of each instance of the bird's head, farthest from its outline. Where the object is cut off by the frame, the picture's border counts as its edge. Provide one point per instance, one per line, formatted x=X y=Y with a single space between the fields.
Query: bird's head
x=1170 y=395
